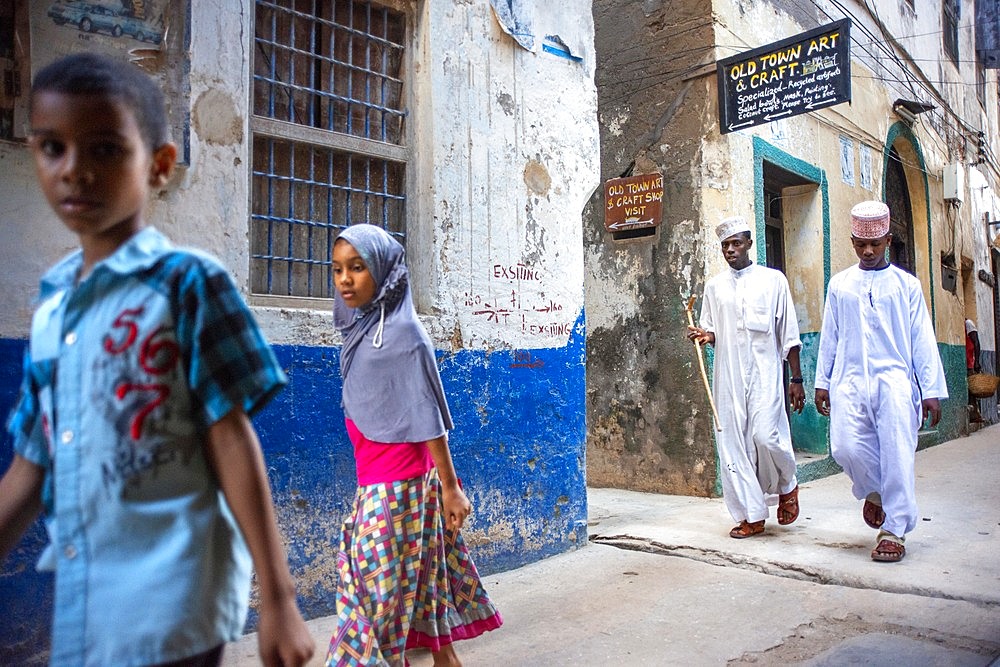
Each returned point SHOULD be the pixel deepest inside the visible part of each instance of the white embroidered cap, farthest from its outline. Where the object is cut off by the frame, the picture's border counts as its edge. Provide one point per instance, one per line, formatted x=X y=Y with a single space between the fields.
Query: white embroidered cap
x=731 y=226
x=870 y=220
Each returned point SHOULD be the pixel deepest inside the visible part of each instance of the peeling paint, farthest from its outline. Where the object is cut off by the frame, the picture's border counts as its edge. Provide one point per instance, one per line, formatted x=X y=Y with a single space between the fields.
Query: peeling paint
x=537 y=178
x=215 y=118
x=506 y=102
x=615 y=123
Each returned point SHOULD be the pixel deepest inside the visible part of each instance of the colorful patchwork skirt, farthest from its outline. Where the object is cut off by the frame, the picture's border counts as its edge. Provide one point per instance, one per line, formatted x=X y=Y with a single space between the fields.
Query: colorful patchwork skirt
x=405 y=582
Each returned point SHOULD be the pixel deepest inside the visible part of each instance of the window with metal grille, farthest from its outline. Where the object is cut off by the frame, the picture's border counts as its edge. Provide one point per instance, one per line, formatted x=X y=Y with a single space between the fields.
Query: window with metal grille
x=328 y=136
x=950 y=13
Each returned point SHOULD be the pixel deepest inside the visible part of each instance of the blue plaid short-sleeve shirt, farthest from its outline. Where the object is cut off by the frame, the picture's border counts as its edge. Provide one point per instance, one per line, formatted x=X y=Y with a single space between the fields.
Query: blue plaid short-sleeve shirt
x=124 y=374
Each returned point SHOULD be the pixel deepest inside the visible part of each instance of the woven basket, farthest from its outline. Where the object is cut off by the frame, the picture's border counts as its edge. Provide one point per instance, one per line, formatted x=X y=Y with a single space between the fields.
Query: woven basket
x=983 y=385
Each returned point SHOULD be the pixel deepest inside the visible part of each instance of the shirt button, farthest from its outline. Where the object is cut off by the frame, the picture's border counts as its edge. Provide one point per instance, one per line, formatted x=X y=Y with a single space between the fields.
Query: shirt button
x=70 y=551
x=67 y=437
x=70 y=338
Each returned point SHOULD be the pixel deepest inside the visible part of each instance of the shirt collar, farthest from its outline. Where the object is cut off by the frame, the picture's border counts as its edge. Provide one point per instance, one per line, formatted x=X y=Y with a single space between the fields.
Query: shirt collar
x=140 y=251
x=739 y=273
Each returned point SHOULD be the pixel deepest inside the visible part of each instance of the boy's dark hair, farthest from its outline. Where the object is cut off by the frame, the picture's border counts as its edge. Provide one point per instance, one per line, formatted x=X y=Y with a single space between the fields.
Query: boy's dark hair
x=96 y=74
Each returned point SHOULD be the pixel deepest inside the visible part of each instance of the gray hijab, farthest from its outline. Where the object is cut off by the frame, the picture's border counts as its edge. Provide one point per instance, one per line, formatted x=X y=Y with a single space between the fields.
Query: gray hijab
x=392 y=388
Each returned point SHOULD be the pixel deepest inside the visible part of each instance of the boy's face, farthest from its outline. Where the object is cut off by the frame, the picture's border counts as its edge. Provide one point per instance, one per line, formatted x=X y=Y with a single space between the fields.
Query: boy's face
x=94 y=167
x=736 y=249
x=351 y=276
x=871 y=252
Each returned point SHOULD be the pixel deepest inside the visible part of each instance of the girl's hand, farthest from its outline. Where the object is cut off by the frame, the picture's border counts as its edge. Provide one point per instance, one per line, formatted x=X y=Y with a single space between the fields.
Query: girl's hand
x=455 y=507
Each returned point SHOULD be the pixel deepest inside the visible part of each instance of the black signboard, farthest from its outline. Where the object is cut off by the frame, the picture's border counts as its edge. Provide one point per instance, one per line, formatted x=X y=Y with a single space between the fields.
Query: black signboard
x=796 y=75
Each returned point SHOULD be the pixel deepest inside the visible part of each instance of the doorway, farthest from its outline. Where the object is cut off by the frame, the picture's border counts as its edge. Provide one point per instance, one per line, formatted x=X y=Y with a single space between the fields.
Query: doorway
x=788 y=201
x=897 y=197
x=774 y=229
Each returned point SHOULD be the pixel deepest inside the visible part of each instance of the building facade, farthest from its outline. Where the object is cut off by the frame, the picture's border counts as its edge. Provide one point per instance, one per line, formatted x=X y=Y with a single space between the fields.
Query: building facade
x=918 y=129
x=468 y=131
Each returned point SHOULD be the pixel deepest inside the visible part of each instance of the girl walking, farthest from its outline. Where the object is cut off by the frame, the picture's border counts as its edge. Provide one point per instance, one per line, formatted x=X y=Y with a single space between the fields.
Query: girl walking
x=406 y=579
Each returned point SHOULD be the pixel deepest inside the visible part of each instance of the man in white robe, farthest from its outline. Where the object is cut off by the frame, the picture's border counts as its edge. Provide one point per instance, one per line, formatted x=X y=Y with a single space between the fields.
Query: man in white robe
x=747 y=314
x=878 y=376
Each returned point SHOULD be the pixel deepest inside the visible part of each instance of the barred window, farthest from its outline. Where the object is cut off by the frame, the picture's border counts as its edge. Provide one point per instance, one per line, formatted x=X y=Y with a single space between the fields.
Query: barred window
x=950 y=13
x=328 y=136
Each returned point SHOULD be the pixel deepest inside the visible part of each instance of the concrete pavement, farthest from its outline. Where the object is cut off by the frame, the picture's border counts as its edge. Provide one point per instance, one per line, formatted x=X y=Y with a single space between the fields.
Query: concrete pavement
x=661 y=583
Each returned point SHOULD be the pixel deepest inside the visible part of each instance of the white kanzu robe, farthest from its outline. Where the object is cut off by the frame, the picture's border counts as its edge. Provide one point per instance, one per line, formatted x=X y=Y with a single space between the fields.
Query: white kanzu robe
x=877 y=356
x=751 y=314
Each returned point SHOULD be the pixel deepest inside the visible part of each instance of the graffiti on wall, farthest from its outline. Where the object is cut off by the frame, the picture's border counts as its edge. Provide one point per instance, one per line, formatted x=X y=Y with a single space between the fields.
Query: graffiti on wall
x=518 y=308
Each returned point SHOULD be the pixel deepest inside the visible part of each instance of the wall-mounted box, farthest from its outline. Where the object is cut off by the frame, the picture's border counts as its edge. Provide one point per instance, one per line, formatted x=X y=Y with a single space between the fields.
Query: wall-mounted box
x=954 y=182
x=949 y=278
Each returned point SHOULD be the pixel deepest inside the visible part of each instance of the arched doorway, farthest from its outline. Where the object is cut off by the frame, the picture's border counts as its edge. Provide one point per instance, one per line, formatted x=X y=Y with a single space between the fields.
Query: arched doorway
x=897 y=196
x=905 y=190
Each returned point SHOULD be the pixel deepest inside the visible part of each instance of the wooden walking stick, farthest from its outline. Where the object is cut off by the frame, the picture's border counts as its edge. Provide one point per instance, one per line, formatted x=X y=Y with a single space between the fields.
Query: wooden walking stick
x=701 y=364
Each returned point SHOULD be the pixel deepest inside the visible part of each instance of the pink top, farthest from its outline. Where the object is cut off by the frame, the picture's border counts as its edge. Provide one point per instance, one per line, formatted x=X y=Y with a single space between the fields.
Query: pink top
x=382 y=462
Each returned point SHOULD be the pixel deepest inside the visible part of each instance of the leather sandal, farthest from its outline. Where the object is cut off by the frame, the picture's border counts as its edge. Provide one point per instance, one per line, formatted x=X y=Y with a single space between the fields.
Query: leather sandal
x=788 y=507
x=872 y=512
x=889 y=548
x=747 y=529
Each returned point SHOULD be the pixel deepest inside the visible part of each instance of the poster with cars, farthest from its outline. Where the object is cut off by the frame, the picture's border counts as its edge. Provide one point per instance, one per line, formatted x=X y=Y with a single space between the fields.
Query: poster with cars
x=149 y=33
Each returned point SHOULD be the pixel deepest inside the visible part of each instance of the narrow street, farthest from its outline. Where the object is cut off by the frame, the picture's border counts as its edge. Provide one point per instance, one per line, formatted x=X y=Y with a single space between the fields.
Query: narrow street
x=661 y=583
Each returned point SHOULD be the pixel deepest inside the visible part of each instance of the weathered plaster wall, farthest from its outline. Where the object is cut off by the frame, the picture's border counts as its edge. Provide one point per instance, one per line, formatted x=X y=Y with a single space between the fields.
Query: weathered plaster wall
x=504 y=144
x=31 y=237
x=646 y=407
x=511 y=138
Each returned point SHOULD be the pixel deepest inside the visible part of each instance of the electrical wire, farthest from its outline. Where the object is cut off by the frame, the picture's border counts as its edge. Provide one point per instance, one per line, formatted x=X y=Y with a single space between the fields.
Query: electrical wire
x=886 y=37
x=906 y=79
x=968 y=132
x=859 y=134
x=968 y=26
x=945 y=105
x=942 y=82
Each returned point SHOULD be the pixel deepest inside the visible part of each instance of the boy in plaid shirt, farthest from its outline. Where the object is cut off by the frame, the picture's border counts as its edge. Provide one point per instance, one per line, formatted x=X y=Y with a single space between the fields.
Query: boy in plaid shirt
x=132 y=429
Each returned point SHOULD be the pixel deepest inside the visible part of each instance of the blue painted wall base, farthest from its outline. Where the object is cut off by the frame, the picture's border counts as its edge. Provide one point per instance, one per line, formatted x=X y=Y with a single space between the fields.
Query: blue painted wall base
x=518 y=445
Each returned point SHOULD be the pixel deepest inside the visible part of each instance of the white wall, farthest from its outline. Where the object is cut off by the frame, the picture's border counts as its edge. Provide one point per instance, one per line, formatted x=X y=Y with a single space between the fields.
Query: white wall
x=505 y=156
x=508 y=144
